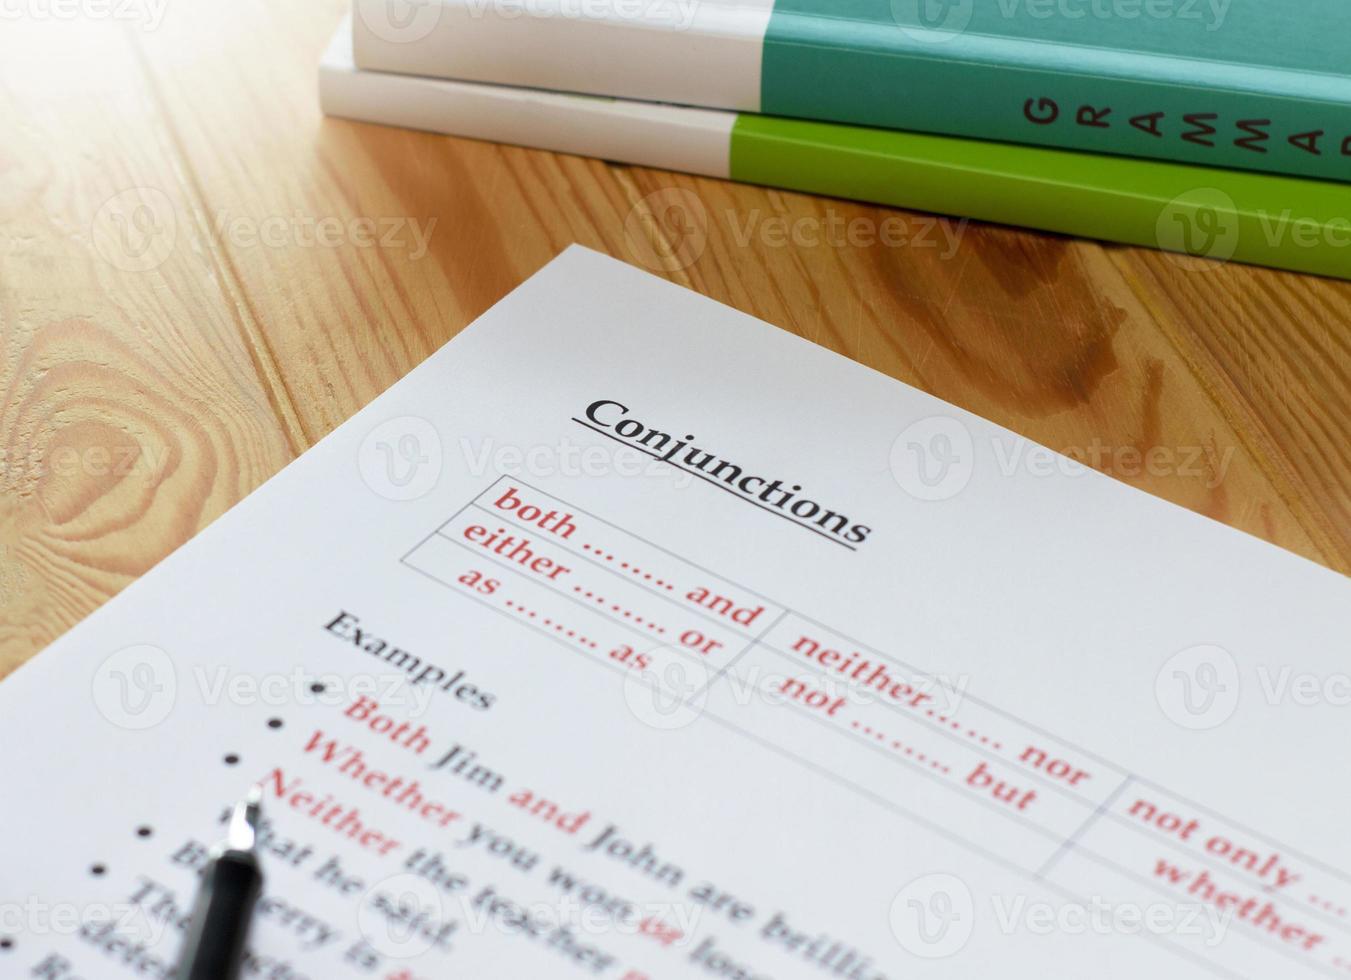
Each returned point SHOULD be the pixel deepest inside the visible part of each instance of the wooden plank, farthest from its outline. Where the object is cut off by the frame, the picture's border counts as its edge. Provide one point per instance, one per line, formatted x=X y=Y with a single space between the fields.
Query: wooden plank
x=131 y=413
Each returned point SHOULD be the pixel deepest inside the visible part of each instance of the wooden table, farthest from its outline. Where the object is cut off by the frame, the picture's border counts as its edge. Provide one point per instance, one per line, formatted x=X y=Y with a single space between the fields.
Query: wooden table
x=190 y=297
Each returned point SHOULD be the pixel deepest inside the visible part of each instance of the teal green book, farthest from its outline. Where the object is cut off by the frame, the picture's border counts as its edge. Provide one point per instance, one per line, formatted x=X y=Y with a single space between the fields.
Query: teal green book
x=1248 y=84
x=1202 y=213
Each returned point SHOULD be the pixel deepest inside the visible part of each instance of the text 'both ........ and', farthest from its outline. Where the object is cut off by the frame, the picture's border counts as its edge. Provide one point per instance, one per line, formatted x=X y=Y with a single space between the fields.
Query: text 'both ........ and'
x=548 y=552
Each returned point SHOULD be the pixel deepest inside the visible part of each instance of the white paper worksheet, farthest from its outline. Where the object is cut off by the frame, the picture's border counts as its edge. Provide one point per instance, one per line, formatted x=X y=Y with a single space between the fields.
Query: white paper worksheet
x=630 y=637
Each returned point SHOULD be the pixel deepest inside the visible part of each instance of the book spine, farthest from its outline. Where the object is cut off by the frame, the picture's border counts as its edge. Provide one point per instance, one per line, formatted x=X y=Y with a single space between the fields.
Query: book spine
x=672 y=137
x=791 y=58
x=1200 y=213
x=687 y=52
x=1125 y=103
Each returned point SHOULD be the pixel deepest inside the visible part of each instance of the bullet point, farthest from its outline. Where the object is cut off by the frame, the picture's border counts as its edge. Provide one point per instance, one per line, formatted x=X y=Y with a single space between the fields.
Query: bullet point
x=6 y=945
x=231 y=759
x=98 y=870
x=317 y=688
x=274 y=723
x=143 y=831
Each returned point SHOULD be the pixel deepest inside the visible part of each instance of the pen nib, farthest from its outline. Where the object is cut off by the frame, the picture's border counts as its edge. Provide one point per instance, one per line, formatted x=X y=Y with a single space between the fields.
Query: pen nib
x=244 y=821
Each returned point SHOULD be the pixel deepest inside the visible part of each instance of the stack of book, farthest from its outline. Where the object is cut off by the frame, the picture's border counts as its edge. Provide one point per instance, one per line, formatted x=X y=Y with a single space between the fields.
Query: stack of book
x=1219 y=128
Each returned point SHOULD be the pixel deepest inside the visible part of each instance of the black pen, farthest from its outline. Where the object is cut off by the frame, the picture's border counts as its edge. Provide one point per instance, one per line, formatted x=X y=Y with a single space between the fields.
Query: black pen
x=230 y=886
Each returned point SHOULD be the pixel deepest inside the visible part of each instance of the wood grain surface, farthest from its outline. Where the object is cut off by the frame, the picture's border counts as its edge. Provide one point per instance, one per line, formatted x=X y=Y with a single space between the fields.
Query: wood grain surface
x=200 y=276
